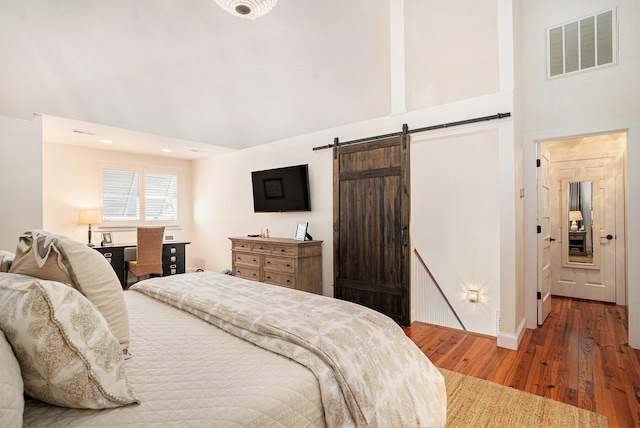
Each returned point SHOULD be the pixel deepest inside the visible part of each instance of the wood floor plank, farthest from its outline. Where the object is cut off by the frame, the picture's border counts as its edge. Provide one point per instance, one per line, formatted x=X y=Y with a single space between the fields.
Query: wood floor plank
x=580 y=356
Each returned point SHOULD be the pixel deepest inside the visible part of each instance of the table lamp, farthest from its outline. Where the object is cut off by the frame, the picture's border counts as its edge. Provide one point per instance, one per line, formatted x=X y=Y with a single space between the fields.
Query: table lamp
x=90 y=217
x=575 y=216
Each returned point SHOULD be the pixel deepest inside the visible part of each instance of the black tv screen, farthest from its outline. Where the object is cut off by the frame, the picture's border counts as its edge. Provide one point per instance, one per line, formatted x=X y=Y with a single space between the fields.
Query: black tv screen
x=281 y=189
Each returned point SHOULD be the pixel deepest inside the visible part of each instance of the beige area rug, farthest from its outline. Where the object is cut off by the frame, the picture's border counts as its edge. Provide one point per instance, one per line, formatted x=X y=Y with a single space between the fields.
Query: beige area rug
x=474 y=402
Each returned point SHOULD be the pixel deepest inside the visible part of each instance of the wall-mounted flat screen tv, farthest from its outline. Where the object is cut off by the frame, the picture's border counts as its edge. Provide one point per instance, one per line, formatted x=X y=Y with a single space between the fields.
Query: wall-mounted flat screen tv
x=281 y=189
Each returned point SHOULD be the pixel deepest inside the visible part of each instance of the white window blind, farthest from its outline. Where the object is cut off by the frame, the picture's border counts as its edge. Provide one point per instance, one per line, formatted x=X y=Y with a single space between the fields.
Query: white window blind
x=583 y=44
x=136 y=194
x=161 y=197
x=120 y=195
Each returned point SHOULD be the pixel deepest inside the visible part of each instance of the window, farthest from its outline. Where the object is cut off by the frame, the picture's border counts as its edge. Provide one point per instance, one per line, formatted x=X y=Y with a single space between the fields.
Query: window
x=581 y=45
x=138 y=195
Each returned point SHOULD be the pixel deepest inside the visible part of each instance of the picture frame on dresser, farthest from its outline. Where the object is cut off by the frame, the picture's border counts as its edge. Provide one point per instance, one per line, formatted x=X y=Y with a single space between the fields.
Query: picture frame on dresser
x=107 y=239
x=301 y=231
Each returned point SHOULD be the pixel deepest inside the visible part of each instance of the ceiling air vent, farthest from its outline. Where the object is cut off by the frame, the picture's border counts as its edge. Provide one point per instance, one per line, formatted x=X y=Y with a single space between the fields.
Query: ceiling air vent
x=588 y=43
x=77 y=131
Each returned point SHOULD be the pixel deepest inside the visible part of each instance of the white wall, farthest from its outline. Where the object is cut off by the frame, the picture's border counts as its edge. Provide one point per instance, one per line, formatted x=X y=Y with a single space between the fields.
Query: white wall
x=71 y=181
x=599 y=101
x=450 y=56
x=21 y=178
x=455 y=211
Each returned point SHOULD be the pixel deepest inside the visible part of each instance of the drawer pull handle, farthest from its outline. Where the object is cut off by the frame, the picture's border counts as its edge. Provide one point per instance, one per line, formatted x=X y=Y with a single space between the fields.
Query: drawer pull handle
x=288 y=280
x=288 y=265
x=283 y=250
x=260 y=248
x=254 y=274
x=268 y=263
x=173 y=271
x=254 y=260
x=173 y=250
x=107 y=255
x=268 y=277
x=173 y=258
x=173 y=266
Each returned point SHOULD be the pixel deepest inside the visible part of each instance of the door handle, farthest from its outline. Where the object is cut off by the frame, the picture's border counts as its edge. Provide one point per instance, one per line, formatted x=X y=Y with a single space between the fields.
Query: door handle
x=551 y=239
x=404 y=235
x=609 y=237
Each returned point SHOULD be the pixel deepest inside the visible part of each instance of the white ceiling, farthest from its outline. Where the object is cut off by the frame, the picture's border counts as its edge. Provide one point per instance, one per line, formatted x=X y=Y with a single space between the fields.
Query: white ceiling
x=192 y=73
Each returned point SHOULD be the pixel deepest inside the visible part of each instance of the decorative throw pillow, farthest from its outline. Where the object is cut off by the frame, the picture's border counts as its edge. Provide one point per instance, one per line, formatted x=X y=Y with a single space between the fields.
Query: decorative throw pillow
x=72 y=262
x=11 y=387
x=25 y=261
x=68 y=355
x=6 y=258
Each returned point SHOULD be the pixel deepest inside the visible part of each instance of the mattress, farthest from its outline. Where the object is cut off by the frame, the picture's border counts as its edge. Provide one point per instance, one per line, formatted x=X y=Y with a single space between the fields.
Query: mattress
x=187 y=372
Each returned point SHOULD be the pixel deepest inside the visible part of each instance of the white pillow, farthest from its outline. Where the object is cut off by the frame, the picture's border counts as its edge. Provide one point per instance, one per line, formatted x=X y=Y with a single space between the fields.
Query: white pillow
x=11 y=387
x=68 y=355
x=73 y=263
x=6 y=257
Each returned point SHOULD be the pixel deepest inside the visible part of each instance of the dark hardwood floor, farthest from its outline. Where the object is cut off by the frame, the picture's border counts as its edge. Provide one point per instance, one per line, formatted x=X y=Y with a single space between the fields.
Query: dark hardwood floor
x=580 y=356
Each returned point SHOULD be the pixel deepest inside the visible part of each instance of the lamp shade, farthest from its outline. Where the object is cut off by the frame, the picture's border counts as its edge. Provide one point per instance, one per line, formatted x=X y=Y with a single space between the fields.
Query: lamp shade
x=247 y=9
x=575 y=216
x=92 y=216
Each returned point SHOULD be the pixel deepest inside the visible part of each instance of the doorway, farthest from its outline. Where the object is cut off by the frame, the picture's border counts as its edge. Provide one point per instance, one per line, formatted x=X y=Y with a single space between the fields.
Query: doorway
x=582 y=214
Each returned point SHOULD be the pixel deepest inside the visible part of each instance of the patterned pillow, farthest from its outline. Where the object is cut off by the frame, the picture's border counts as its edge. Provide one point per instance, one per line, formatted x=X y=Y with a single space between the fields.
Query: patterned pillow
x=73 y=263
x=11 y=387
x=67 y=353
x=6 y=257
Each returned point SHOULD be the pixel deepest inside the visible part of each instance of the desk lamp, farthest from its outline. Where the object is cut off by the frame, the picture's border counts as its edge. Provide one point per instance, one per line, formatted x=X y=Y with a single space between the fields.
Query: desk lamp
x=90 y=217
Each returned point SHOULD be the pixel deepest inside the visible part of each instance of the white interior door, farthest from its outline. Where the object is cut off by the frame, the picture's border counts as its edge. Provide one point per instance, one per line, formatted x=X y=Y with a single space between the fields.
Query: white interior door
x=594 y=280
x=544 y=241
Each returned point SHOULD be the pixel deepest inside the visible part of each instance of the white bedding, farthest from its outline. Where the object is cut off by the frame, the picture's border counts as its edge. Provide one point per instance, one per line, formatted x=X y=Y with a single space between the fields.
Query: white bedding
x=370 y=373
x=188 y=373
x=236 y=355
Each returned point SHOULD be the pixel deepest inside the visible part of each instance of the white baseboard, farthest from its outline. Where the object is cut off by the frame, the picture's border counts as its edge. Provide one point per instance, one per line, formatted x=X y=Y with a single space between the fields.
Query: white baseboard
x=512 y=341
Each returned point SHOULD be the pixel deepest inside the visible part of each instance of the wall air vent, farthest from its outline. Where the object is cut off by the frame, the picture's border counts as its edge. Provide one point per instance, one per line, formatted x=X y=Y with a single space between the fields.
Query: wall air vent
x=587 y=43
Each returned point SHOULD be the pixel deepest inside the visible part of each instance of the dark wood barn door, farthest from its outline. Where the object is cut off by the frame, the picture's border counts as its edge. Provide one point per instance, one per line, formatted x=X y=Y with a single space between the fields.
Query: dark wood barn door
x=371 y=220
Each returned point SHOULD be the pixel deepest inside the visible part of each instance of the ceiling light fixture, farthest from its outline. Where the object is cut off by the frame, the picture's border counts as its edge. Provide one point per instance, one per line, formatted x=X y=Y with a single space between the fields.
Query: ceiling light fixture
x=167 y=150
x=247 y=9
x=104 y=140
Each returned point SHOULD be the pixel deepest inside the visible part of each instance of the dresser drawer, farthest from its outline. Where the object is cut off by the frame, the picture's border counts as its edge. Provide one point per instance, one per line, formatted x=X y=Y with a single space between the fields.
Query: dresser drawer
x=248 y=259
x=247 y=273
x=284 y=250
x=280 y=264
x=241 y=246
x=261 y=248
x=283 y=279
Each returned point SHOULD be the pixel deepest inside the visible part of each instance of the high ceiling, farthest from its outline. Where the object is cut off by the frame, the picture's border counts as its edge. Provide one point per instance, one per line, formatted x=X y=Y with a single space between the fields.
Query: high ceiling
x=190 y=72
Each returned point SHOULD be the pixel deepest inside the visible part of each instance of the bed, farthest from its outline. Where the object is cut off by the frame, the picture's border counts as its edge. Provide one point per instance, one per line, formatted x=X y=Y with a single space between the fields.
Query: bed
x=208 y=350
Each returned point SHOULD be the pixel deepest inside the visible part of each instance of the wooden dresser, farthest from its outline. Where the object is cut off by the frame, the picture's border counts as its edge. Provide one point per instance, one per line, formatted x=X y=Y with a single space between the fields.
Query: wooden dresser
x=279 y=261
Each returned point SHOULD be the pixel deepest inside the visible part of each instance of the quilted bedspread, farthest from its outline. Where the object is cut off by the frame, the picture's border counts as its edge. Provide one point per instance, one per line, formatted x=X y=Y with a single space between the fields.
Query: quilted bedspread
x=369 y=372
x=188 y=373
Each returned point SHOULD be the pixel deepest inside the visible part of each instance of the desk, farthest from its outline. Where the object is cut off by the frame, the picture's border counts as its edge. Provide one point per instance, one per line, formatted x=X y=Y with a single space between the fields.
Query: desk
x=173 y=258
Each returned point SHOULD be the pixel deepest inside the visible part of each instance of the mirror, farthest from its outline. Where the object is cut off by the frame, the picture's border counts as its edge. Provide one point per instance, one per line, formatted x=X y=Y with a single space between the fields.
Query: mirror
x=579 y=209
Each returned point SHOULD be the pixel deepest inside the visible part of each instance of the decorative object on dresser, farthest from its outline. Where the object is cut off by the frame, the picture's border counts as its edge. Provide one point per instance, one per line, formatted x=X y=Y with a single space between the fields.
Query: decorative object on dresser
x=286 y=262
